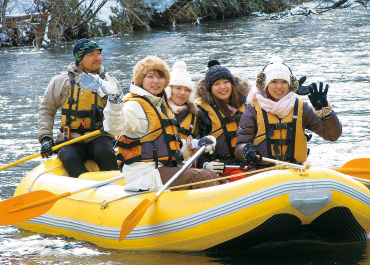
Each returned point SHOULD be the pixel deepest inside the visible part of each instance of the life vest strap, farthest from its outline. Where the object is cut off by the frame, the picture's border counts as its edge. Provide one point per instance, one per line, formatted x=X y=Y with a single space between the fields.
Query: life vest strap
x=169 y=122
x=171 y=137
x=77 y=113
x=185 y=131
x=223 y=122
x=281 y=142
x=129 y=145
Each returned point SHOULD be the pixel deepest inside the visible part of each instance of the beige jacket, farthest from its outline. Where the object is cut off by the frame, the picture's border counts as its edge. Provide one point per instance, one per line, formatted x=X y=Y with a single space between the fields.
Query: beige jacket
x=55 y=95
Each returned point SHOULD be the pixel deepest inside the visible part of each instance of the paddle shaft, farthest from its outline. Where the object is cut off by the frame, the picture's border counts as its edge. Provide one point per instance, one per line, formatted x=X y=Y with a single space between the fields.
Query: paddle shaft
x=348 y=171
x=184 y=167
x=63 y=195
x=83 y=137
x=135 y=216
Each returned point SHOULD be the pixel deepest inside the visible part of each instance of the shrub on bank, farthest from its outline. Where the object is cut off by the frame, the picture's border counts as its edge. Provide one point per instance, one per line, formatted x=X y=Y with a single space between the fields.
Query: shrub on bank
x=47 y=22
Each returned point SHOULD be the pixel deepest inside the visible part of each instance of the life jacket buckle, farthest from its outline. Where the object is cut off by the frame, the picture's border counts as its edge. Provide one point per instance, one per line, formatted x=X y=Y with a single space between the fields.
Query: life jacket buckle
x=66 y=133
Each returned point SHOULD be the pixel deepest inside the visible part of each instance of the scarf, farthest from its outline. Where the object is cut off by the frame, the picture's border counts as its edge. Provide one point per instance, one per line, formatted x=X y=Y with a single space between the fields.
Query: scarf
x=280 y=108
x=176 y=109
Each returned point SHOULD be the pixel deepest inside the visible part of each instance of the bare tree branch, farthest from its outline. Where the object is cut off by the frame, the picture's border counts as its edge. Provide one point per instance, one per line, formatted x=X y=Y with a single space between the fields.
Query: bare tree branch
x=92 y=15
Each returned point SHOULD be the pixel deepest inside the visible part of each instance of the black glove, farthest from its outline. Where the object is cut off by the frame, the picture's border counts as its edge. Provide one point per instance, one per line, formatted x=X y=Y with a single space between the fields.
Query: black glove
x=318 y=97
x=46 y=147
x=252 y=155
x=302 y=90
x=205 y=140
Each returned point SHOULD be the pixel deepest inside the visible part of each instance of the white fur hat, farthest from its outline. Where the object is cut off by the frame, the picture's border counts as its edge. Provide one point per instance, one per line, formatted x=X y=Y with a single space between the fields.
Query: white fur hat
x=276 y=69
x=181 y=77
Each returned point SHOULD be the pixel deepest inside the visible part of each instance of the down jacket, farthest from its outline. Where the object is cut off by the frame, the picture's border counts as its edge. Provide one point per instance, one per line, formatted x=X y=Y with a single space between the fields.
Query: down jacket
x=203 y=95
x=130 y=119
x=329 y=130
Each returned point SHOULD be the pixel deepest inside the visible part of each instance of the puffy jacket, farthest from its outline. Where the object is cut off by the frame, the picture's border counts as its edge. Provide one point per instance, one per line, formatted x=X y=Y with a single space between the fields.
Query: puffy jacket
x=329 y=130
x=129 y=119
x=207 y=123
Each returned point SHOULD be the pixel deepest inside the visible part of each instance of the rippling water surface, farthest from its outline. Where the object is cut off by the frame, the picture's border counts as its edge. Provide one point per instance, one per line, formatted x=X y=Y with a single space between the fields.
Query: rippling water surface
x=332 y=47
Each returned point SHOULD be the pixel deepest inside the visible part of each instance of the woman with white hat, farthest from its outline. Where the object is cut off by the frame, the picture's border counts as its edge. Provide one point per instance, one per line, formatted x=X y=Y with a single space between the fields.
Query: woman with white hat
x=148 y=143
x=275 y=119
x=181 y=94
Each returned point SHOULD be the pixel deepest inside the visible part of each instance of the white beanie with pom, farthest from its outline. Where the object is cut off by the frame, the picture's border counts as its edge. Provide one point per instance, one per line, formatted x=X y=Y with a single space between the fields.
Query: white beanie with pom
x=181 y=77
x=276 y=69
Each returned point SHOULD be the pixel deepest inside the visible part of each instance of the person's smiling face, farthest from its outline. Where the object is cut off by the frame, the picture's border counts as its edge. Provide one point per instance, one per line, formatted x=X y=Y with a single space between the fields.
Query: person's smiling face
x=277 y=89
x=154 y=82
x=222 y=89
x=180 y=95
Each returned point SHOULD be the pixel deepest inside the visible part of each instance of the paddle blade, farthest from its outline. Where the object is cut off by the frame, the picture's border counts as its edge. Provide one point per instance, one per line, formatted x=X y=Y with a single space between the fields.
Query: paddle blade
x=21 y=201
x=134 y=217
x=359 y=167
x=358 y=163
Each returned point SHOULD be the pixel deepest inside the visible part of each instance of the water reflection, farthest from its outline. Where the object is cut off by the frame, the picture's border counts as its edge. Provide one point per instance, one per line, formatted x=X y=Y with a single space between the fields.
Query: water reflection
x=332 y=47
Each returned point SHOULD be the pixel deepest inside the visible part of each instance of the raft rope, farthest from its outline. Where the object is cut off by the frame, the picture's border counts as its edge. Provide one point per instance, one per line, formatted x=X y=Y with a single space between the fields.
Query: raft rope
x=302 y=169
x=42 y=173
x=278 y=166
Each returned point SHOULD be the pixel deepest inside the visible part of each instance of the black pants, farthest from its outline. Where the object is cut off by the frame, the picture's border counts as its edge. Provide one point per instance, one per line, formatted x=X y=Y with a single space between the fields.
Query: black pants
x=100 y=150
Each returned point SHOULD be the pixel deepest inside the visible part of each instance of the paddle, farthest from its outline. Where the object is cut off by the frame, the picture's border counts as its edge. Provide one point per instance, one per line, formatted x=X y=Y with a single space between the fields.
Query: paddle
x=135 y=216
x=83 y=137
x=29 y=205
x=359 y=167
x=356 y=168
x=353 y=168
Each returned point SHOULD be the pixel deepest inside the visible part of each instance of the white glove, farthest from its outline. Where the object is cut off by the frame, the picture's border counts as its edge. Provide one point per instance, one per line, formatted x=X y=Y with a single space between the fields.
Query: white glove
x=209 y=141
x=216 y=167
x=95 y=83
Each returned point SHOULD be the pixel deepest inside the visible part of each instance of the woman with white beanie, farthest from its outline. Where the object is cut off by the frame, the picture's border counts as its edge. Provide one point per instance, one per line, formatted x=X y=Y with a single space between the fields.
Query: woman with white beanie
x=181 y=94
x=274 y=121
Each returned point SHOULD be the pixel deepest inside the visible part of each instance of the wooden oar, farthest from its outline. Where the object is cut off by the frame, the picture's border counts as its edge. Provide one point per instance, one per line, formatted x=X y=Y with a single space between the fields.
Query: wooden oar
x=83 y=137
x=135 y=216
x=29 y=205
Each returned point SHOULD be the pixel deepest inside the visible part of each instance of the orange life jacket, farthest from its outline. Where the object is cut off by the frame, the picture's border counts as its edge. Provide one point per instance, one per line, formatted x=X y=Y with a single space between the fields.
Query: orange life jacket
x=83 y=110
x=285 y=137
x=186 y=126
x=222 y=129
x=161 y=143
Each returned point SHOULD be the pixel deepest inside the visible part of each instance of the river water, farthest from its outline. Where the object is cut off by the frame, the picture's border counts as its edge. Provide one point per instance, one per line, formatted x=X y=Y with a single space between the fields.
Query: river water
x=332 y=47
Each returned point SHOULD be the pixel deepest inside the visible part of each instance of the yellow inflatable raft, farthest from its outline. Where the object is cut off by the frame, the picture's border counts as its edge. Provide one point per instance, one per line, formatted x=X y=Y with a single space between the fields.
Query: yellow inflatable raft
x=237 y=215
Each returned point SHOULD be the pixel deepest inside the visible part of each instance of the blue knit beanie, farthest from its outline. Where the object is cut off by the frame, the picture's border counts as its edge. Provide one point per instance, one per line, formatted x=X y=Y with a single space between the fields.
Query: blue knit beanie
x=215 y=72
x=83 y=47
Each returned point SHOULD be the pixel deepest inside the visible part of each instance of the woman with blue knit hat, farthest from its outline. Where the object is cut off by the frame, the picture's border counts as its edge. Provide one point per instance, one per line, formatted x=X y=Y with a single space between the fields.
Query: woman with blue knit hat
x=221 y=100
x=81 y=92
x=274 y=121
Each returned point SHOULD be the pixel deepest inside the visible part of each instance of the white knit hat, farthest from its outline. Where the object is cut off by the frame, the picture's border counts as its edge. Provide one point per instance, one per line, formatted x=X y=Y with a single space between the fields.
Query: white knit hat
x=276 y=70
x=181 y=77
